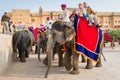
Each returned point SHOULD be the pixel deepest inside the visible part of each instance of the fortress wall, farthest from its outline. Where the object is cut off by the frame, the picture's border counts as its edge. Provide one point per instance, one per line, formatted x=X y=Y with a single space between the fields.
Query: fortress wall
x=5 y=52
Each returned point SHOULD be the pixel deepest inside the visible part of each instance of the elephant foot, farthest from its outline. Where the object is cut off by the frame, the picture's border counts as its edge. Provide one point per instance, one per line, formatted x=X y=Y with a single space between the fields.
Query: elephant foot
x=19 y=57
x=98 y=65
x=75 y=72
x=36 y=52
x=60 y=65
x=89 y=67
x=68 y=67
x=23 y=60
x=89 y=64
x=45 y=61
x=26 y=56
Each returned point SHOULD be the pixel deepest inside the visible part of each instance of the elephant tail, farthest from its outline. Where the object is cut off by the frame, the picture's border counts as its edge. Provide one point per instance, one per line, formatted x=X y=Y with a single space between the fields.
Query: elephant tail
x=103 y=56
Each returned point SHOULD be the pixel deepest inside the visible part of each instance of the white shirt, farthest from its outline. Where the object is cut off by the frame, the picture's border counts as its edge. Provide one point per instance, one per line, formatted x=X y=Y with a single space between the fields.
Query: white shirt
x=81 y=11
x=65 y=15
x=49 y=24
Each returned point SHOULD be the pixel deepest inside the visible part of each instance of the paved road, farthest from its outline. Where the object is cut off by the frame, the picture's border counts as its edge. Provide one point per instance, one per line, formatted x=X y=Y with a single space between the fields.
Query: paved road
x=35 y=70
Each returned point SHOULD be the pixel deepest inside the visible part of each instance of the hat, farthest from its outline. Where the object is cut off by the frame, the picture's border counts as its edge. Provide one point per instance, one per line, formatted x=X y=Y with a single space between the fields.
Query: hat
x=63 y=5
x=48 y=18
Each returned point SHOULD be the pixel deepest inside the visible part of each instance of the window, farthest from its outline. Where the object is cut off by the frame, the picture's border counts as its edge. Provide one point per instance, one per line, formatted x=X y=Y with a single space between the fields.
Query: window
x=32 y=20
x=21 y=15
x=118 y=21
x=115 y=21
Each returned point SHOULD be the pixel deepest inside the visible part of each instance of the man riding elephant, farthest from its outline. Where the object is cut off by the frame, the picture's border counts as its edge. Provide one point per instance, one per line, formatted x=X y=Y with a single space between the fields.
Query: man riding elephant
x=65 y=14
x=5 y=22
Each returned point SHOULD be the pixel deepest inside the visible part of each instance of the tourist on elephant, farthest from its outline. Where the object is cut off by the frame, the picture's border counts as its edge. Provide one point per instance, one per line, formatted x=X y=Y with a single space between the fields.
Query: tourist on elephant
x=91 y=14
x=65 y=14
x=81 y=11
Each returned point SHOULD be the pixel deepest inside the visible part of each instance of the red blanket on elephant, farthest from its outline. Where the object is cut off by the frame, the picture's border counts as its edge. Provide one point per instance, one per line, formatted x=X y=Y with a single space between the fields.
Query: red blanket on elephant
x=107 y=37
x=88 y=39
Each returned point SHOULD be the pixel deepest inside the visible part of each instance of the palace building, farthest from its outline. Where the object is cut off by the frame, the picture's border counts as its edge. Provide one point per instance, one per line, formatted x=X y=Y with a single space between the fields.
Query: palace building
x=108 y=20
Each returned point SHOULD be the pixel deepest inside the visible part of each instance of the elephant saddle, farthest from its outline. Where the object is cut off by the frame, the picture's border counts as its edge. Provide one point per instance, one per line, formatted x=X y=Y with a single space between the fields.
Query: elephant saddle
x=88 y=39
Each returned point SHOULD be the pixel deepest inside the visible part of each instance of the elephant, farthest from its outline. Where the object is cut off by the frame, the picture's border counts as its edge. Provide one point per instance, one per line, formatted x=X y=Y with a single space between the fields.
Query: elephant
x=70 y=54
x=42 y=43
x=112 y=42
x=59 y=34
x=21 y=41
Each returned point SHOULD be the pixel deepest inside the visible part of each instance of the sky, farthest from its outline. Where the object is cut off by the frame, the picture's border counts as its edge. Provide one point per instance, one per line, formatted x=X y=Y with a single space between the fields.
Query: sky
x=52 y=5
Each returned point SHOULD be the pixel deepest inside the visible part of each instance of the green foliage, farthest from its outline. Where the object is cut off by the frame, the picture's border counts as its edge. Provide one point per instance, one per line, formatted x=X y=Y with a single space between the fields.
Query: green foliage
x=115 y=33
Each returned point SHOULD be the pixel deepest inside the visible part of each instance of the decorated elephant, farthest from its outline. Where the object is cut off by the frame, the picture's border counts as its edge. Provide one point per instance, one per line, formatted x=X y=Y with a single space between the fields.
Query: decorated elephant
x=21 y=41
x=42 y=42
x=88 y=42
x=59 y=34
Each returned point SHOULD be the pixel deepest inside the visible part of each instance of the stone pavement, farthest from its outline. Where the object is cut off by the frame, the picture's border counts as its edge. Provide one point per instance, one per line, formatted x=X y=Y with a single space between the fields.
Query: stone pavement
x=35 y=70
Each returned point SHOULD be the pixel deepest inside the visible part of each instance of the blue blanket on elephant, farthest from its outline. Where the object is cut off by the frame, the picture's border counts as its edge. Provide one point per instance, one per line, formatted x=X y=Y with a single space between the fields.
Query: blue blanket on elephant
x=88 y=39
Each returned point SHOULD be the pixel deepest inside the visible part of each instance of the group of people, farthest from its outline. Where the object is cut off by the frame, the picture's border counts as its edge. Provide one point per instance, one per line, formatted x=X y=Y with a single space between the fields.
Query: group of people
x=83 y=11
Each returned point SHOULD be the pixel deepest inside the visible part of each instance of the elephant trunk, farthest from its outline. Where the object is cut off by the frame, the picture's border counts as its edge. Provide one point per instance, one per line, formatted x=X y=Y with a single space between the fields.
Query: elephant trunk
x=49 y=53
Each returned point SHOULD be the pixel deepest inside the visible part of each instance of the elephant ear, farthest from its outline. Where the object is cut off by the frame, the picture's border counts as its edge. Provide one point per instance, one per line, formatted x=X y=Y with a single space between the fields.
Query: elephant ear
x=69 y=32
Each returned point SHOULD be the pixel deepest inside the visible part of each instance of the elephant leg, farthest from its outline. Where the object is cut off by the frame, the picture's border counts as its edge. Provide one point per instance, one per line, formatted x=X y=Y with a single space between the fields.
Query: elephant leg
x=60 y=56
x=83 y=59
x=54 y=52
x=45 y=61
x=15 y=54
x=39 y=54
x=113 y=43
x=3 y=31
x=75 y=64
x=27 y=53
x=67 y=60
x=36 y=49
x=99 y=63
x=89 y=64
x=19 y=56
x=22 y=59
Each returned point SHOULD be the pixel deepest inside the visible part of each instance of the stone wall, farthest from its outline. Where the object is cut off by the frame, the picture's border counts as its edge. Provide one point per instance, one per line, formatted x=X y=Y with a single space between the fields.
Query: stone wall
x=5 y=52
